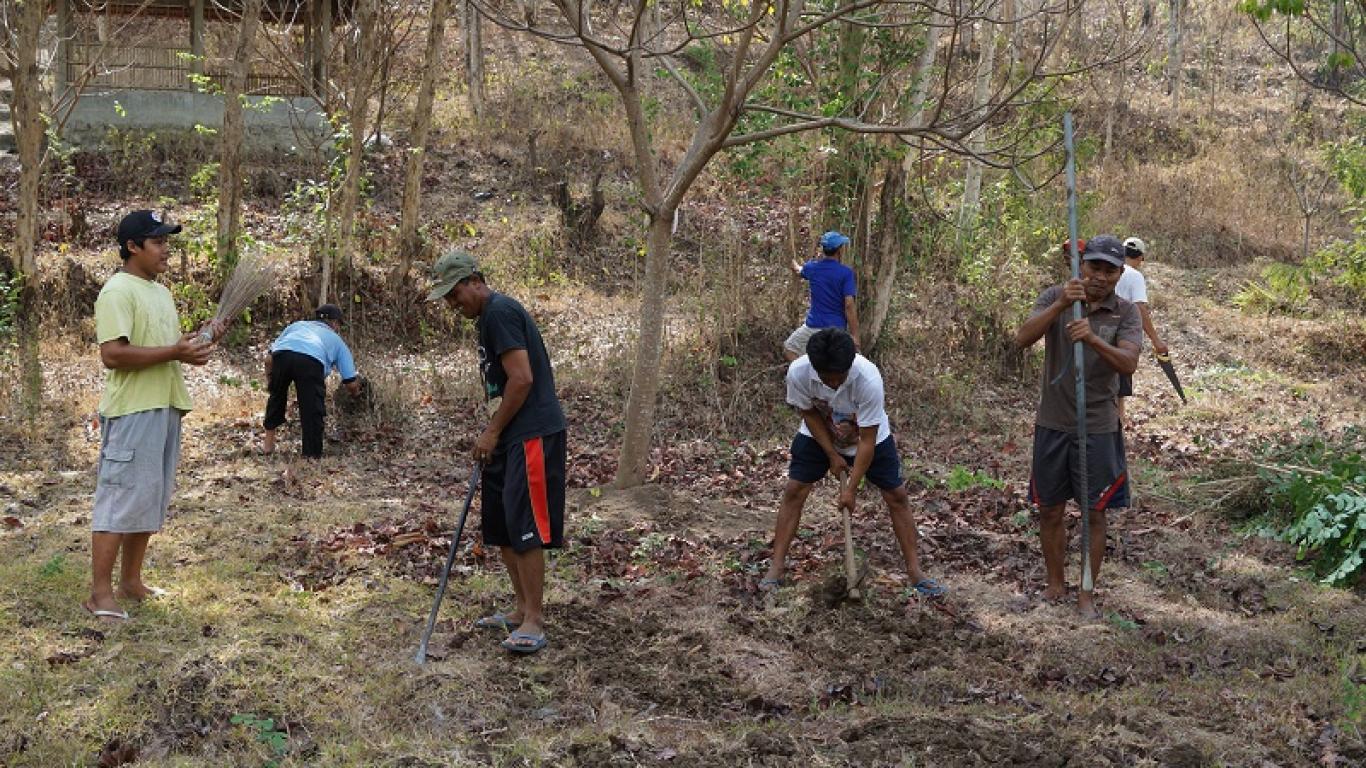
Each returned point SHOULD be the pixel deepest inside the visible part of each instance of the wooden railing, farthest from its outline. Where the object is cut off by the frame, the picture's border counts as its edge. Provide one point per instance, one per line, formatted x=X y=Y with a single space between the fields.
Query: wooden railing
x=161 y=68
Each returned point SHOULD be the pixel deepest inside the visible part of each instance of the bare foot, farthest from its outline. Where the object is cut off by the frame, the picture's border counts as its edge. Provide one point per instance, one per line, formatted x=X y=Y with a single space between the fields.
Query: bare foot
x=1054 y=594
x=1086 y=605
x=138 y=592
x=268 y=442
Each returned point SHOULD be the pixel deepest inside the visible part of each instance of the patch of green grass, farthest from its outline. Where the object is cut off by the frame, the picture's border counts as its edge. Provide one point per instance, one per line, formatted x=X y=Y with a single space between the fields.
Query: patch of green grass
x=1156 y=568
x=265 y=731
x=1353 y=697
x=1120 y=622
x=961 y=478
x=54 y=566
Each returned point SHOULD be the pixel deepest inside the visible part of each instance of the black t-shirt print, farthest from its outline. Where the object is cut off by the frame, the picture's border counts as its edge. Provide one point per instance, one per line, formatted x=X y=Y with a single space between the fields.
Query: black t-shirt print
x=505 y=325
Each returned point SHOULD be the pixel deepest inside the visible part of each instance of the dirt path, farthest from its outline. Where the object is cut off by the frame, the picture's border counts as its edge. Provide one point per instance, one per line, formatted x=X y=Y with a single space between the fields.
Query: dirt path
x=295 y=609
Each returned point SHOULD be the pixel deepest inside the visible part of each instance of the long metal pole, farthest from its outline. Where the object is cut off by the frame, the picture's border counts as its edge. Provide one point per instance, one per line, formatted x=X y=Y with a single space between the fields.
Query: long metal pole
x=1079 y=357
x=450 y=561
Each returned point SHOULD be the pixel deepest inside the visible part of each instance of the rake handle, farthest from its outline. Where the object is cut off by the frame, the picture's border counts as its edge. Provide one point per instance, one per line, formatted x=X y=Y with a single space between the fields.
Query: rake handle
x=450 y=561
x=850 y=562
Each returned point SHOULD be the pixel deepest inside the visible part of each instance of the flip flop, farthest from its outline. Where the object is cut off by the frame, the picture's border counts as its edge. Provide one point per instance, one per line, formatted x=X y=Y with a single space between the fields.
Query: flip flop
x=537 y=642
x=770 y=585
x=104 y=614
x=930 y=588
x=497 y=621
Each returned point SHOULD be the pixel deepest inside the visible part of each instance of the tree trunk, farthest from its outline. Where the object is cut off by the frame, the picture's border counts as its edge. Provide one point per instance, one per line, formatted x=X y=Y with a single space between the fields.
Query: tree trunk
x=921 y=83
x=1175 y=10
x=977 y=143
x=27 y=106
x=410 y=240
x=1339 y=27
x=1120 y=84
x=358 y=104
x=891 y=207
x=847 y=167
x=474 y=56
x=231 y=140
x=640 y=405
x=377 y=131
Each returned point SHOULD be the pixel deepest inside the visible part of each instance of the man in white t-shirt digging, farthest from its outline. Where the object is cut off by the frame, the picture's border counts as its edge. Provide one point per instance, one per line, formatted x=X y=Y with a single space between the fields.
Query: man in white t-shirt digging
x=1133 y=287
x=844 y=426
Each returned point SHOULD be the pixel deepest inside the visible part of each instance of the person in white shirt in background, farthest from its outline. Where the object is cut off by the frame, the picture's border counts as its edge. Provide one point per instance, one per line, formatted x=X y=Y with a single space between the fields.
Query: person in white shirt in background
x=1133 y=287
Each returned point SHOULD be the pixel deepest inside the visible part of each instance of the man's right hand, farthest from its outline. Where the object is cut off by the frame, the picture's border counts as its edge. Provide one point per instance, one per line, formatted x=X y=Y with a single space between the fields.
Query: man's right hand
x=839 y=466
x=193 y=349
x=1073 y=290
x=1160 y=348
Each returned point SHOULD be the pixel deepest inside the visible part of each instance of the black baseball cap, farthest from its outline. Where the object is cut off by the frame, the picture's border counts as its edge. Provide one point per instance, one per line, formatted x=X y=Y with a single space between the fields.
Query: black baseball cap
x=1105 y=248
x=328 y=312
x=140 y=224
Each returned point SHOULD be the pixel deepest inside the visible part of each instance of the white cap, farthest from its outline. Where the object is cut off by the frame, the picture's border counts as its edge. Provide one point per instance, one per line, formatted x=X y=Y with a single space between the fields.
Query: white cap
x=1136 y=244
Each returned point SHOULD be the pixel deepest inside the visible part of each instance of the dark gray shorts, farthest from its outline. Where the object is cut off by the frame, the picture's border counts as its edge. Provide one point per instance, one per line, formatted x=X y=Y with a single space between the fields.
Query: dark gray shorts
x=138 y=457
x=1054 y=478
x=1126 y=385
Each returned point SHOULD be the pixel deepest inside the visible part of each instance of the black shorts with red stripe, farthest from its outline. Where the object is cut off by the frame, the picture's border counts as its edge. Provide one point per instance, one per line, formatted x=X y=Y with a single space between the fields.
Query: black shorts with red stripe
x=523 y=496
x=1054 y=477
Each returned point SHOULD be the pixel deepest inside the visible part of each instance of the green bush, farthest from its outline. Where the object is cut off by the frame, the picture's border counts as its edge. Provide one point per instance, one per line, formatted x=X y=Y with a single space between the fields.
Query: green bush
x=1283 y=288
x=1321 y=492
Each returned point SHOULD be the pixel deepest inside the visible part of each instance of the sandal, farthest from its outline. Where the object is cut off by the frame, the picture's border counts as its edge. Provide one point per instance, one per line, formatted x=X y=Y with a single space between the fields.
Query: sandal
x=771 y=585
x=930 y=588
x=512 y=643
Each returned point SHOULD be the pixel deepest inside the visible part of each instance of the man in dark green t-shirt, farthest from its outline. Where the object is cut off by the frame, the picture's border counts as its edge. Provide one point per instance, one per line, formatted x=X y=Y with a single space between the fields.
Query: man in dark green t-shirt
x=522 y=449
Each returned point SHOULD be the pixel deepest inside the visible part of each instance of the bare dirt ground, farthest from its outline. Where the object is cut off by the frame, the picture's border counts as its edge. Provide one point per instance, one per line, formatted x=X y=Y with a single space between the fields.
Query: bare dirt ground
x=294 y=606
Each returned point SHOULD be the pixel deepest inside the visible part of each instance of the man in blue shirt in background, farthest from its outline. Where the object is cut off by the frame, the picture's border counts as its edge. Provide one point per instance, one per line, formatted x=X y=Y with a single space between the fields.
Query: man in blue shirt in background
x=303 y=355
x=832 y=295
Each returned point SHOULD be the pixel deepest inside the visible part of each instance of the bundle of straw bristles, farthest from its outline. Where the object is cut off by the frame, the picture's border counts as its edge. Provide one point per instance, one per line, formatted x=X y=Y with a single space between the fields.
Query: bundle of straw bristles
x=250 y=278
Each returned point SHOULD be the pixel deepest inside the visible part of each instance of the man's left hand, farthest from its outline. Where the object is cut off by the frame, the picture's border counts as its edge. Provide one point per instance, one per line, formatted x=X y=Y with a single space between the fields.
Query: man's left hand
x=846 y=499
x=483 y=447
x=1080 y=330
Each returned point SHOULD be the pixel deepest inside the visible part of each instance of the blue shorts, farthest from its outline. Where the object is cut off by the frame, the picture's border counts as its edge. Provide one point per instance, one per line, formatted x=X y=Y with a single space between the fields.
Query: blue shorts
x=810 y=464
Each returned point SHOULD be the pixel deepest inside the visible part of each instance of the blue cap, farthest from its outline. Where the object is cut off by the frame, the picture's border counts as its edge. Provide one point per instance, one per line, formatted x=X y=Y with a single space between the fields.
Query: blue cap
x=832 y=241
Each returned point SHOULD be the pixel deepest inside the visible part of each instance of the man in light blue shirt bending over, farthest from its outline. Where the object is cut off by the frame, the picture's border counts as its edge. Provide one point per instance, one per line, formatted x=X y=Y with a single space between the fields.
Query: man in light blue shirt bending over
x=303 y=355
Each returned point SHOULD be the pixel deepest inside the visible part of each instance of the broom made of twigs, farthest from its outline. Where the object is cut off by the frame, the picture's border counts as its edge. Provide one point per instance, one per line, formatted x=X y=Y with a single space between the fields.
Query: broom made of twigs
x=250 y=278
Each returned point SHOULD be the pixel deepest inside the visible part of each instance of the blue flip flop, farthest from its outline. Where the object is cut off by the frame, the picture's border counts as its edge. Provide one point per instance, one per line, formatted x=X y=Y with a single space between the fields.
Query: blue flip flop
x=537 y=642
x=769 y=585
x=930 y=588
x=497 y=621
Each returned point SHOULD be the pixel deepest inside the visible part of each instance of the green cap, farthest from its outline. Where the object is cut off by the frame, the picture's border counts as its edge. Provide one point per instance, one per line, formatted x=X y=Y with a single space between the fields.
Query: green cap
x=451 y=268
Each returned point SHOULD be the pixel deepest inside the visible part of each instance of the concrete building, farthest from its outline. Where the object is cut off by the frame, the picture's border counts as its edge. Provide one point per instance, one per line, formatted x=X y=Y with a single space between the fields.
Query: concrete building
x=171 y=78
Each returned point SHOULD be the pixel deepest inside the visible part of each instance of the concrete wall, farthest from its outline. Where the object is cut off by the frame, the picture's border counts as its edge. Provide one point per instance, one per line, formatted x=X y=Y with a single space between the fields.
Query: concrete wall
x=287 y=123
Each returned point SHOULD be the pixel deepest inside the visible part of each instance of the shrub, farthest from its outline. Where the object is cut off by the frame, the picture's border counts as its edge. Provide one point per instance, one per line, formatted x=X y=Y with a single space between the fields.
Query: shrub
x=1320 y=489
x=1283 y=288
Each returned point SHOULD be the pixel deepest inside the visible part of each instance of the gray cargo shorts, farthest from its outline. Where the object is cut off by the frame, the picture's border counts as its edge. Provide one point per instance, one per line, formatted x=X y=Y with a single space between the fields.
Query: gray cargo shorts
x=796 y=343
x=138 y=457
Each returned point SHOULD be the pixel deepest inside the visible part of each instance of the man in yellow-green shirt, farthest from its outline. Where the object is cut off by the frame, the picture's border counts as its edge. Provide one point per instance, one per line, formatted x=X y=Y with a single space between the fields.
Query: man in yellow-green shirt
x=144 y=399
